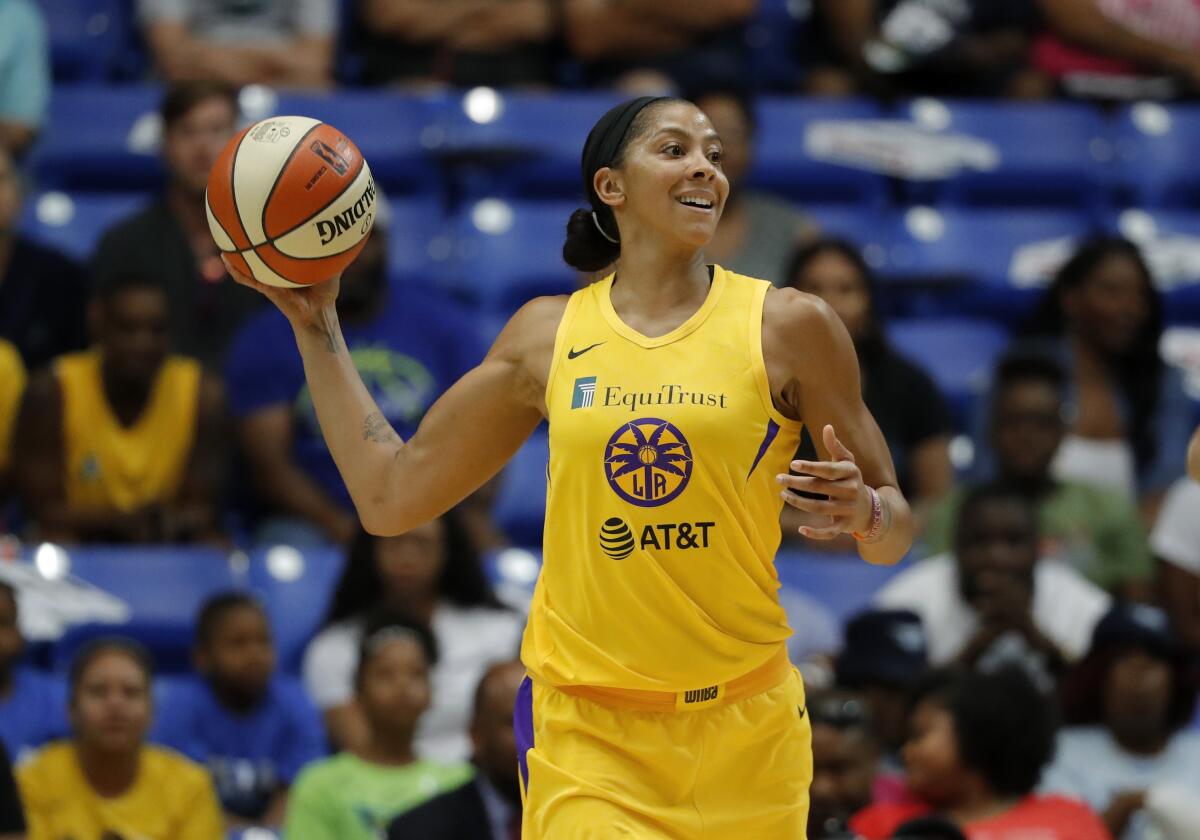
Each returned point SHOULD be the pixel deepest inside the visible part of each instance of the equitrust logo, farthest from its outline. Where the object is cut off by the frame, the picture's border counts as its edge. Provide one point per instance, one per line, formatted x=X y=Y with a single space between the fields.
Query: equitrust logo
x=584 y=393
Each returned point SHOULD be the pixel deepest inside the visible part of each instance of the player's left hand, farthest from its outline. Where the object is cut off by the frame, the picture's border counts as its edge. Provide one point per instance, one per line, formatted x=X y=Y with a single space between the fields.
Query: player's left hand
x=847 y=506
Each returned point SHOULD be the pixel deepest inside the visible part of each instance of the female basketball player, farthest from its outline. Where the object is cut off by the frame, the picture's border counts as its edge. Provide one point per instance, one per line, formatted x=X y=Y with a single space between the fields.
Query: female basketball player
x=660 y=702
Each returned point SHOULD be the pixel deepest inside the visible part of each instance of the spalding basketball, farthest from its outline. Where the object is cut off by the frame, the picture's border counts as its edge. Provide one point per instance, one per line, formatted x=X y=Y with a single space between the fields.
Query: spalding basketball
x=290 y=201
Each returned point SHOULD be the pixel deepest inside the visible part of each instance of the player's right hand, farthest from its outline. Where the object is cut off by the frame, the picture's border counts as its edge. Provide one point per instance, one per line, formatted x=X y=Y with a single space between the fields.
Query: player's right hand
x=302 y=307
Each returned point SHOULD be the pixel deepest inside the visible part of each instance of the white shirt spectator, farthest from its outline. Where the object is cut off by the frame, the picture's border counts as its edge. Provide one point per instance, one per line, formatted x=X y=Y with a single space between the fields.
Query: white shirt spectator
x=1066 y=606
x=244 y=21
x=1090 y=765
x=469 y=639
x=1176 y=534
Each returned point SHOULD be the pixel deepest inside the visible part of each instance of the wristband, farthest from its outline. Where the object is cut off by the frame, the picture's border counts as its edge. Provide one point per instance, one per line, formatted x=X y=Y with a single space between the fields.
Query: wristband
x=876 y=529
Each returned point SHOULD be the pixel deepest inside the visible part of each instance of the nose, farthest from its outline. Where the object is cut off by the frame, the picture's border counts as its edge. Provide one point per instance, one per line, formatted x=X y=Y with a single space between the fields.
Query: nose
x=702 y=169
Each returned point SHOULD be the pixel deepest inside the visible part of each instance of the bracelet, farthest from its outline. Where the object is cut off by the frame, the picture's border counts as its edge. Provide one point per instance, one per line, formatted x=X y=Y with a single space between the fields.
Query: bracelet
x=876 y=530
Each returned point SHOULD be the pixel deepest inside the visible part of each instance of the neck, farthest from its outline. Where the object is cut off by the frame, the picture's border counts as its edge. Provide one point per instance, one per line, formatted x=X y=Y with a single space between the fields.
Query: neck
x=655 y=281
x=391 y=748
x=1141 y=743
x=188 y=208
x=239 y=704
x=1089 y=359
x=420 y=606
x=109 y=774
x=1031 y=485
x=979 y=802
x=127 y=399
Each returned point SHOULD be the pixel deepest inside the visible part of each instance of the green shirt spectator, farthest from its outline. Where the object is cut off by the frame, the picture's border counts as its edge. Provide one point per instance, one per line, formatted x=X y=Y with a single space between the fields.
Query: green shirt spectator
x=347 y=798
x=1097 y=531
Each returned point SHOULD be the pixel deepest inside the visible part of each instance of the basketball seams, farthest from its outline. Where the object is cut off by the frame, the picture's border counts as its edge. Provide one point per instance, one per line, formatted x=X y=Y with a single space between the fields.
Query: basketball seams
x=230 y=211
x=237 y=207
x=300 y=144
x=350 y=181
x=217 y=222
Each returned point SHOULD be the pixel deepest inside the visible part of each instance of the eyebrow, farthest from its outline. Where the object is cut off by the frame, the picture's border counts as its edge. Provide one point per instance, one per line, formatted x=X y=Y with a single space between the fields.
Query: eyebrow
x=710 y=134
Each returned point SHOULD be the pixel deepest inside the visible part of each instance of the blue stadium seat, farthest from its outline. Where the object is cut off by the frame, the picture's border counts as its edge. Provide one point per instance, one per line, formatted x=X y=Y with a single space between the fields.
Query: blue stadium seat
x=296 y=588
x=1048 y=154
x=843 y=583
x=507 y=252
x=774 y=35
x=864 y=226
x=168 y=641
x=74 y=222
x=957 y=353
x=1156 y=155
x=996 y=261
x=784 y=167
x=89 y=39
x=520 y=507
x=526 y=145
x=100 y=138
x=419 y=245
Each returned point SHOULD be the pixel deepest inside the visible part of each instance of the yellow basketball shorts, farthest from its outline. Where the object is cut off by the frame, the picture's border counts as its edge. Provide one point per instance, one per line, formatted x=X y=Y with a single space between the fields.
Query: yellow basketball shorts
x=736 y=772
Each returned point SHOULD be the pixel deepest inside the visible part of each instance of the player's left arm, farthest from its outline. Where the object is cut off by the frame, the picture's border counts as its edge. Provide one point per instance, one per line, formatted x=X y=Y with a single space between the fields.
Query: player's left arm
x=814 y=376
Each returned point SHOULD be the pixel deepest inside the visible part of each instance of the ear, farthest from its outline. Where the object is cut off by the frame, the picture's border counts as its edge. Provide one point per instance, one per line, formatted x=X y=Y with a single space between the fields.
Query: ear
x=609 y=185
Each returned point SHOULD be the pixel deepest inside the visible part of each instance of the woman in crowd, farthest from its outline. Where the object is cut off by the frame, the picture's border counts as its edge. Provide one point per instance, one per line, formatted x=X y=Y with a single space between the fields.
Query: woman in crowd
x=433 y=575
x=1126 y=755
x=906 y=404
x=105 y=781
x=1103 y=319
x=976 y=748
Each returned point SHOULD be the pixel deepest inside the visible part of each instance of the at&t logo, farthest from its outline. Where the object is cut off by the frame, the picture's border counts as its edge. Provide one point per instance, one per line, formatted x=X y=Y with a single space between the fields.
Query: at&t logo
x=617 y=539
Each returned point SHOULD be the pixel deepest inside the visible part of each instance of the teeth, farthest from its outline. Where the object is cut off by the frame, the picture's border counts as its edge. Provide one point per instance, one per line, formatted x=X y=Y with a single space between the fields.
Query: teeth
x=696 y=202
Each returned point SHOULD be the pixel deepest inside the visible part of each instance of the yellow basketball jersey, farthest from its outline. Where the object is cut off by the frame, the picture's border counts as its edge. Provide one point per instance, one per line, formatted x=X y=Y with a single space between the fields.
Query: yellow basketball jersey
x=114 y=467
x=12 y=385
x=662 y=515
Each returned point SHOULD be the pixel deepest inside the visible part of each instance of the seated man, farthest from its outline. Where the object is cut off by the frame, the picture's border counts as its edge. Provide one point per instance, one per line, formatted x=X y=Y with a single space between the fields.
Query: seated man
x=24 y=74
x=43 y=293
x=286 y=43
x=992 y=599
x=408 y=345
x=252 y=730
x=489 y=806
x=32 y=705
x=123 y=442
x=846 y=760
x=1094 y=529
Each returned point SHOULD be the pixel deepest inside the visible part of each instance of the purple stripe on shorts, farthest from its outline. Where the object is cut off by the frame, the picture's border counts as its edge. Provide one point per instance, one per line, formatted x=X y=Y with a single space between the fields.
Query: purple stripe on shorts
x=523 y=727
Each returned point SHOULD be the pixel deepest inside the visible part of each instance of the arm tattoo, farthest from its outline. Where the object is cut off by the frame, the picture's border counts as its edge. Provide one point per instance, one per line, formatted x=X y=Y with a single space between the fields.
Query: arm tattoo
x=377 y=429
x=326 y=331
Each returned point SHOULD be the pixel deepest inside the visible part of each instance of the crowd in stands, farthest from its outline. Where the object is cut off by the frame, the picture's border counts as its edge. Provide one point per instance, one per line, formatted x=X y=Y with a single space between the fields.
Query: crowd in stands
x=1031 y=671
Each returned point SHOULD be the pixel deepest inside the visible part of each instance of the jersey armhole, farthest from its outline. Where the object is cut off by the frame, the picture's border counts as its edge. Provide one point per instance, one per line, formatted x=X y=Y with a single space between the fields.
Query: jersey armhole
x=759 y=364
x=560 y=340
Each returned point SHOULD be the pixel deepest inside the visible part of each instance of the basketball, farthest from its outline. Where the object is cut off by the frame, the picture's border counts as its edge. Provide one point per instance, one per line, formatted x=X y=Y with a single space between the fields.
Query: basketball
x=290 y=201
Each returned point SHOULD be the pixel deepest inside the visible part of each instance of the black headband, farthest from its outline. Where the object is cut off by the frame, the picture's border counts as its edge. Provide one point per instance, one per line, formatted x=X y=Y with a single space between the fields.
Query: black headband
x=600 y=151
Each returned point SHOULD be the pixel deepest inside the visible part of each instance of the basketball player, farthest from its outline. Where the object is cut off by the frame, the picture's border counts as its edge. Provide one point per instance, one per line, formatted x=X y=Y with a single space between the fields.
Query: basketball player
x=659 y=702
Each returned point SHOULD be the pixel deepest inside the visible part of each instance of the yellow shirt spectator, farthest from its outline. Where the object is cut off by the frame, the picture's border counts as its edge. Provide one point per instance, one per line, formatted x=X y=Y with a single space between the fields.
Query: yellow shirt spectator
x=12 y=384
x=172 y=798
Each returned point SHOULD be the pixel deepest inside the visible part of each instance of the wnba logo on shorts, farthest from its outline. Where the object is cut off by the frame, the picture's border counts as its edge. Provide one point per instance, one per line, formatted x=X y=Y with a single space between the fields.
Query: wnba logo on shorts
x=647 y=462
x=701 y=695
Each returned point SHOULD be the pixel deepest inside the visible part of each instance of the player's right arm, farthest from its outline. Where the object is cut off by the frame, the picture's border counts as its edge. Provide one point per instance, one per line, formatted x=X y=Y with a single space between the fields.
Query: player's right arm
x=465 y=437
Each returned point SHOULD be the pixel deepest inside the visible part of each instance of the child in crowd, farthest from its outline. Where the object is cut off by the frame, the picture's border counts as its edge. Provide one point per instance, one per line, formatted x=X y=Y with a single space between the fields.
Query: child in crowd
x=106 y=782
x=32 y=705
x=354 y=795
x=253 y=730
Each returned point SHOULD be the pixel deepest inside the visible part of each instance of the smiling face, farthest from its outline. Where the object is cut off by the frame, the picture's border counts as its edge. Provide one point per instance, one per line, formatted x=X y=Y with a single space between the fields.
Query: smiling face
x=669 y=182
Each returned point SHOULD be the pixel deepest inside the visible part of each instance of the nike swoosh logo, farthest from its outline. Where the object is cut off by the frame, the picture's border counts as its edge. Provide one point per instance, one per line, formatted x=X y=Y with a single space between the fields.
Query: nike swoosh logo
x=574 y=354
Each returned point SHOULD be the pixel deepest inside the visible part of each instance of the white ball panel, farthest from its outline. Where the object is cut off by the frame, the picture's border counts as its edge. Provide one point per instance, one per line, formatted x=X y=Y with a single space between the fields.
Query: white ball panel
x=259 y=159
x=263 y=273
x=218 y=233
x=340 y=226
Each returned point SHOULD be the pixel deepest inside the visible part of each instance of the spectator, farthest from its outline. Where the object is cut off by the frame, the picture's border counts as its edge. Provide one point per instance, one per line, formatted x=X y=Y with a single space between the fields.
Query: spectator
x=24 y=74
x=462 y=43
x=1094 y=529
x=1193 y=456
x=884 y=657
x=1175 y=542
x=654 y=46
x=929 y=828
x=1120 y=49
x=408 y=345
x=992 y=598
x=1102 y=318
x=12 y=816
x=489 y=806
x=976 y=748
x=758 y=232
x=169 y=241
x=32 y=705
x=12 y=386
x=1129 y=699
x=902 y=398
x=285 y=43
x=106 y=781
x=355 y=794
x=252 y=730
x=123 y=442
x=845 y=762
x=432 y=574
x=43 y=294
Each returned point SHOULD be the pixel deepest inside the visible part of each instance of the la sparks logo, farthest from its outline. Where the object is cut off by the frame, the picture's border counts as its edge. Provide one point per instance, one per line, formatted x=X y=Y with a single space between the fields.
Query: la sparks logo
x=647 y=462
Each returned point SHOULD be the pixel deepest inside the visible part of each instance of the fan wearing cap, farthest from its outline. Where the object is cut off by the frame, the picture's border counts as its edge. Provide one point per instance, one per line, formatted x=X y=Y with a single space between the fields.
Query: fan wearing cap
x=660 y=701
x=1127 y=754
